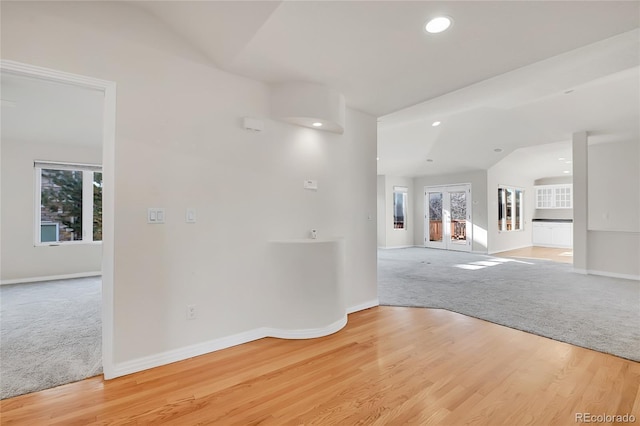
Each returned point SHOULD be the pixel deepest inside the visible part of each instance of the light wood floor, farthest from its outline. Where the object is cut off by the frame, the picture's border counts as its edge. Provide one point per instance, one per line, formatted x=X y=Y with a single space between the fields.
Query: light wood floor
x=563 y=255
x=389 y=366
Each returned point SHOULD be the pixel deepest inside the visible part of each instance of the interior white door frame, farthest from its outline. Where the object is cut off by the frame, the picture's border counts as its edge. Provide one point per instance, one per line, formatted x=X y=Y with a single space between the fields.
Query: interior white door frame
x=108 y=170
x=446 y=242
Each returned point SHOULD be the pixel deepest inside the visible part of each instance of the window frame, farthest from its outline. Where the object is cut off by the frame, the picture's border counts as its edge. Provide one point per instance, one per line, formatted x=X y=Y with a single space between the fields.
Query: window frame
x=87 y=193
x=503 y=207
x=405 y=207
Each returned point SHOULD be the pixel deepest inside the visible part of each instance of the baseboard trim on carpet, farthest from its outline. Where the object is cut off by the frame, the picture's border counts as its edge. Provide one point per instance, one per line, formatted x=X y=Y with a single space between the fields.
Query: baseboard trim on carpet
x=52 y=278
x=614 y=275
x=396 y=247
x=364 y=305
x=175 y=355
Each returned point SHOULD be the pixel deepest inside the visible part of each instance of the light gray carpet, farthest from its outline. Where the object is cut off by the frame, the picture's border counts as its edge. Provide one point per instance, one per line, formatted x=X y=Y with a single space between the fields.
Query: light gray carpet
x=50 y=334
x=539 y=296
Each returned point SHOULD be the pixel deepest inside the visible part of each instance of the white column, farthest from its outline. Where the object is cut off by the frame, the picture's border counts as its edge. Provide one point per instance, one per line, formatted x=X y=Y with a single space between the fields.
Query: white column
x=580 y=201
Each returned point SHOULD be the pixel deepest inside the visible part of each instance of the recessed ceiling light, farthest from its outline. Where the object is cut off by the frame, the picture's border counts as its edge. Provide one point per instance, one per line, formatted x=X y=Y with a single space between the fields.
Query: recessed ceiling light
x=438 y=25
x=568 y=162
x=435 y=123
x=429 y=160
x=498 y=150
x=566 y=171
x=561 y=159
x=317 y=124
x=377 y=158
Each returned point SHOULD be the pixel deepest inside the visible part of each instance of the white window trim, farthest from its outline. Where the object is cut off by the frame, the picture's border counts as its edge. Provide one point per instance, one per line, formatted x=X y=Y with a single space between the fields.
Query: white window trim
x=87 y=193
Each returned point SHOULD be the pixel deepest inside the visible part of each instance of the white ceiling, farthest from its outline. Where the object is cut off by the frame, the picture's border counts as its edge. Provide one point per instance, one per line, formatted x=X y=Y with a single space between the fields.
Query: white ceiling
x=44 y=111
x=496 y=79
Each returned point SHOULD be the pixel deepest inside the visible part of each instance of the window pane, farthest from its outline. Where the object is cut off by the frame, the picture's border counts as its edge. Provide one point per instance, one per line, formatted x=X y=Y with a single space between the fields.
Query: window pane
x=61 y=205
x=435 y=216
x=518 y=212
x=97 y=206
x=501 y=203
x=399 y=207
x=458 y=204
x=509 y=209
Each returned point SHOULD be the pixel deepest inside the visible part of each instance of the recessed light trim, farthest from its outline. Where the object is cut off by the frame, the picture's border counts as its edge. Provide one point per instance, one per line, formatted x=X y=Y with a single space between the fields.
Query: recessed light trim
x=438 y=24
x=436 y=123
x=566 y=171
x=317 y=124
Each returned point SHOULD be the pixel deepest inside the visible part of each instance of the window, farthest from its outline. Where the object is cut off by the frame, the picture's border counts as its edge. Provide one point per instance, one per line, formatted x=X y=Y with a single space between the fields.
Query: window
x=400 y=207
x=70 y=203
x=510 y=209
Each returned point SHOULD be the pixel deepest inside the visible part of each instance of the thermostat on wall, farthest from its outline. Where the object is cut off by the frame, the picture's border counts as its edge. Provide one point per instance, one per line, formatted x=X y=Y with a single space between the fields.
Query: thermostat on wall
x=310 y=184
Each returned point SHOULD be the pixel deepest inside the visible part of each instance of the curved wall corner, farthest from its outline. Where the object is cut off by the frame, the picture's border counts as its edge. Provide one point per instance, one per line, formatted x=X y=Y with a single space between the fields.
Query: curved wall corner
x=307 y=283
x=305 y=103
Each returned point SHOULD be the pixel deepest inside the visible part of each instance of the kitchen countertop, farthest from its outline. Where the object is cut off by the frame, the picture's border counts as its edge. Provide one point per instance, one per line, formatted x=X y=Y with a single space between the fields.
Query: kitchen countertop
x=553 y=220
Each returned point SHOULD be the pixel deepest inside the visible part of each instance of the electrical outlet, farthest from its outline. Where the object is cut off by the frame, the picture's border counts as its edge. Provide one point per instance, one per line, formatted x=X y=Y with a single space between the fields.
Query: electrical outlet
x=191 y=312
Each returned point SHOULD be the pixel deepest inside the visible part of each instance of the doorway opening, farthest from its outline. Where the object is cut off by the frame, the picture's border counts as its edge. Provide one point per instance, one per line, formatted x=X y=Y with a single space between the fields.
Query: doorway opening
x=63 y=143
x=447 y=223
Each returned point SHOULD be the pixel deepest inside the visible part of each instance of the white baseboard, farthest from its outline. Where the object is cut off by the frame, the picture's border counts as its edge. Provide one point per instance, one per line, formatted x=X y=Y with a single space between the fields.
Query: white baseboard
x=174 y=355
x=362 y=306
x=614 y=275
x=310 y=333
x=580 y=271
x=52 y=278
x=397 y=247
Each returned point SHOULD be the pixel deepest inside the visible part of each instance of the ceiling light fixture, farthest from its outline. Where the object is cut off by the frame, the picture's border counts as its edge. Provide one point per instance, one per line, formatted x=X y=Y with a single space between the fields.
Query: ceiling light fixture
x=377 y=158
x=438 y=25
x=498 y=150
x=561 y=159
x=568 y=162
x=317 y=124
x=429 y=160
x=566 y=171
x=435 y=124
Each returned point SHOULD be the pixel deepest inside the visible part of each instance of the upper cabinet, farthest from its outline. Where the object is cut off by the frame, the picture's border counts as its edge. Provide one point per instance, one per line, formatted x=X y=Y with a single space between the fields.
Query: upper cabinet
x=554 y=196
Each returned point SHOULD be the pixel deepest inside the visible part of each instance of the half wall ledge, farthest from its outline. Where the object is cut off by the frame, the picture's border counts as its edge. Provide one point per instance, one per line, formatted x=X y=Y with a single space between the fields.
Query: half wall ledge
x=307 y=282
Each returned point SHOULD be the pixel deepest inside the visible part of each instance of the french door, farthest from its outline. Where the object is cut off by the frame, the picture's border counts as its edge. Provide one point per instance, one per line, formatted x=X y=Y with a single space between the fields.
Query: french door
x=447 y=217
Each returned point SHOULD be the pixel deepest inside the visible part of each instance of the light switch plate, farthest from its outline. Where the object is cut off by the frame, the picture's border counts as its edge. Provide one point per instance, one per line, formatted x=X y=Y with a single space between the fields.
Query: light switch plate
x=155 y=215
x=310 y=184
x=190 y=216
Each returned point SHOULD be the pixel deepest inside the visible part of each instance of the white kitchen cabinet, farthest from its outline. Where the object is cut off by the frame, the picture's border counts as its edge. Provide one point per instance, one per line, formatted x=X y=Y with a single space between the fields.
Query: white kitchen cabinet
x=552 y=234
x=554 y=196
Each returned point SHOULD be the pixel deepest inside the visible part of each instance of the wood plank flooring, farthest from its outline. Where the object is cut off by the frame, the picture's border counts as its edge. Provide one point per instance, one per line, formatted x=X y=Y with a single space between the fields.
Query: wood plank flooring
x=564 y=255
x=390 y=365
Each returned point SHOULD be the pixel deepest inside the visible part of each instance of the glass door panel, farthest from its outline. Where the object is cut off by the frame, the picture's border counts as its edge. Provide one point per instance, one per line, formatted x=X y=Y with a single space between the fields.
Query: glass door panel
x=458 y=211
x=435 y=216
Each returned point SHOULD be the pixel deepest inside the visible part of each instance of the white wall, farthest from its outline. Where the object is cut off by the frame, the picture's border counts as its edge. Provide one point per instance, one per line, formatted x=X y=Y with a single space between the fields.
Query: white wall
x=21 y=259
x=613 y=236
x=396 y=237
x=503 y=174
x=381 y=217
x=478 y=181
x=179 y=144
